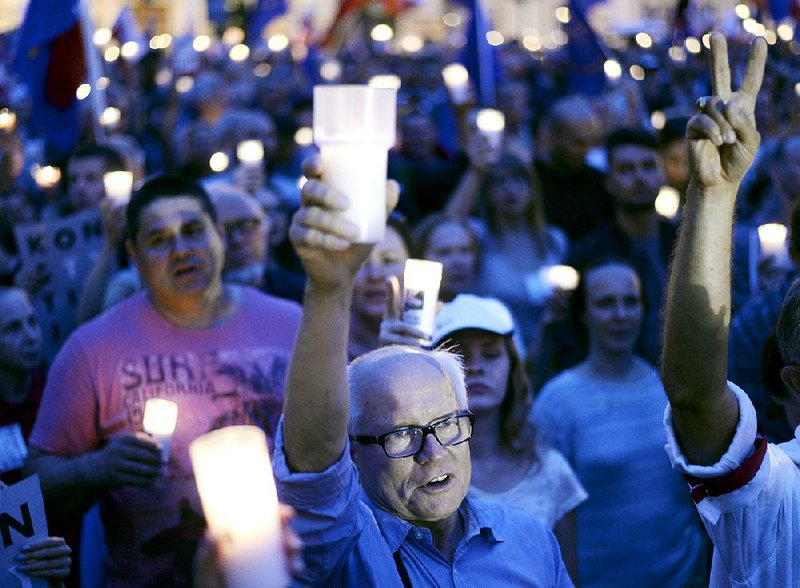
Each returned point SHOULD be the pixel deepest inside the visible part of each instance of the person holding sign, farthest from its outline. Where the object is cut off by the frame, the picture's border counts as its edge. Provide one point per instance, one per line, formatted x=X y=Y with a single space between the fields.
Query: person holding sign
x=746 y=490
x=218 y=350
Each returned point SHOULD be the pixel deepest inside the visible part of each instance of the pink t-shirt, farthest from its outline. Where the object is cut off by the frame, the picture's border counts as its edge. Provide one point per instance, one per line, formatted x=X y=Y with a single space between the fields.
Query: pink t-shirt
x=230 y=374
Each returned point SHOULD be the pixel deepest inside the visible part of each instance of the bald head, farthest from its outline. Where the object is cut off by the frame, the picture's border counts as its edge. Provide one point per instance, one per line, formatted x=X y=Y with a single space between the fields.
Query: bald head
x=378 y=380
x=245 y=228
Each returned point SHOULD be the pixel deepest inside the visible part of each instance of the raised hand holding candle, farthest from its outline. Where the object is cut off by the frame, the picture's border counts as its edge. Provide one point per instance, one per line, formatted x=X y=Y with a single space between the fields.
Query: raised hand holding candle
x=421 y=281
x=237 y=490
x=456 y=78
x=354 y=127
x=119 y=185
x=160 y=418
x=491 y=123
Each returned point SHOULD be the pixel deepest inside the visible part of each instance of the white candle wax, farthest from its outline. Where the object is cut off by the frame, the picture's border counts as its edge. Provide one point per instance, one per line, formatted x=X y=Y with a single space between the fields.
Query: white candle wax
x=160 y=418
x=772 y=237
x=119 y=185
x=250 y=151
x=421 y=282
x=456 y=78
x=490 y=123
x=358 y=170
x=563 y=277
x=46 y=176
x=237 y=490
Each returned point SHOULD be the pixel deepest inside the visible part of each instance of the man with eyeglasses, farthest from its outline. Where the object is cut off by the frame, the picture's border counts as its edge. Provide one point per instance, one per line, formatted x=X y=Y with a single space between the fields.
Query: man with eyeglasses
x=246 y=230
x=389 y=508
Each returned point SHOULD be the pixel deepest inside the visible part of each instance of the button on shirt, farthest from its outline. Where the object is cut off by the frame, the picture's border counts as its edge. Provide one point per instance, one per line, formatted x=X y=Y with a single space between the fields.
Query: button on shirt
x=348 y=541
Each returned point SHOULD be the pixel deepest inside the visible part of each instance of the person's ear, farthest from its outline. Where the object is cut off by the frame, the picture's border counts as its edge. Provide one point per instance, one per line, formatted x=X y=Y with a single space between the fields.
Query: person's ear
x=131 y=249
x=790 y=375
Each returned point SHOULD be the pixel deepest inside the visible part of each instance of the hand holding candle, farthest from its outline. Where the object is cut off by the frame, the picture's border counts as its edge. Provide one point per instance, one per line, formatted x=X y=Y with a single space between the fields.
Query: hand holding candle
x=250 y=152
x=491 y=124
x=160 y=418
x=234 y=479
x=456 y=78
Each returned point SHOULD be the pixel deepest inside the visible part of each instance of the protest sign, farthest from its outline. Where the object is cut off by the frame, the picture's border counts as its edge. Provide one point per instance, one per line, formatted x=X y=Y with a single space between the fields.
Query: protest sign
x=64 y=249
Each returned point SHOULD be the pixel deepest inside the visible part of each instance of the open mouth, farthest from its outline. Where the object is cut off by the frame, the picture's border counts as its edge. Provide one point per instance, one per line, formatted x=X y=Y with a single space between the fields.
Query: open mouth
x=438 y=481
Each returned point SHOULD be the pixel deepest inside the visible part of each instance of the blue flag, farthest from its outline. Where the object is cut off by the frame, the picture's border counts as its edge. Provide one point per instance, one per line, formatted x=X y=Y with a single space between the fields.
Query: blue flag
x=585 y=52
x=477 y=55
x=50 y=60
x=261 y=15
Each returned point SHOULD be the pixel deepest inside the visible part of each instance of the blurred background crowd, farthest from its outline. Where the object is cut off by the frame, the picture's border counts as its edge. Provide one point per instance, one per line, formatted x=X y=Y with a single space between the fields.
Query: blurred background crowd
x=590 y=171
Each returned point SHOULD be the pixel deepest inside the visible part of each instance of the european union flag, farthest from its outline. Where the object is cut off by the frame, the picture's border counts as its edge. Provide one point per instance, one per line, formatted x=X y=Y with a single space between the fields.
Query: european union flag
x=264 y=11
x=477 y=55
x=50 y=60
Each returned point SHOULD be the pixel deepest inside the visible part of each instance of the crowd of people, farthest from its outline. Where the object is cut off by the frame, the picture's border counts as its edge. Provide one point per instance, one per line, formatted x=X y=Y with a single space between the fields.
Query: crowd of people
x=523 y=443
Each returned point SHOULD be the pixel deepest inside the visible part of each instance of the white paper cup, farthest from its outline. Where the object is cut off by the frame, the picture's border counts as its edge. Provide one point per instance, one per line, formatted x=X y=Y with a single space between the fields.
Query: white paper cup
x=421 y=282
x=354 y=128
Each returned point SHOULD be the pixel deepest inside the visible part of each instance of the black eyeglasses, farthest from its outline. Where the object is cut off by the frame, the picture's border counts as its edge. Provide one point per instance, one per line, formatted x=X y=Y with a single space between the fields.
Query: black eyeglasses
x=407 y=441
x=245 y=226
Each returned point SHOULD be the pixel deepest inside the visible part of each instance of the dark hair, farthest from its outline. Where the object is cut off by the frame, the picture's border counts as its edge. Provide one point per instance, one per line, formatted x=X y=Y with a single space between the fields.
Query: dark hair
x=674 y=129
x=578 y=297
x=629 y=136
x=161 y=187
x=424 y=229
x=398 y=222
x=112 y=160
x=512 y=166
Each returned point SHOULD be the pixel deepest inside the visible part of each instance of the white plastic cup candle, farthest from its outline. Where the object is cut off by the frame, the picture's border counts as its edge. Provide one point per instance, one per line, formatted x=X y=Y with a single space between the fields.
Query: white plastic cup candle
x=250 y=152
x=421 y=281
x=563 y=277
x=772 y=239
x=237 y=490
x=456 y=78
x=491 y=123
x=46 y=176
x=119 y=185
x=354 y=127
x=160 y=418
x=8 y=120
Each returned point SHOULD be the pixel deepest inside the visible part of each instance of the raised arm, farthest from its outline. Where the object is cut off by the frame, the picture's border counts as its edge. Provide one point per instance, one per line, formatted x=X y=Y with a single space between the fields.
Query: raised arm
x=317 y=399
x=722 y=143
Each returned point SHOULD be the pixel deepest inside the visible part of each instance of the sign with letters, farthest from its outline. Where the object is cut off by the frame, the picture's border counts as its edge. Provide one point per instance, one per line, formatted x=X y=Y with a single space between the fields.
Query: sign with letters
x=65 y=249
x=22 y=521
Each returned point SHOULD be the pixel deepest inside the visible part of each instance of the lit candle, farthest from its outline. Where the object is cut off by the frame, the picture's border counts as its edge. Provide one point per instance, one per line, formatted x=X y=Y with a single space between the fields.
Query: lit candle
x=119 y=185
x=772 y=238
x=563 y=277
x=237 y=490
x=8 y=120
x=160 y=418
x=47 y=176
x=110 y=117
x=668 y=202
x=421 y=281
x=354 y=128
x=456 y=78
x=490 y=123
x=390 y=81
x=250 y=152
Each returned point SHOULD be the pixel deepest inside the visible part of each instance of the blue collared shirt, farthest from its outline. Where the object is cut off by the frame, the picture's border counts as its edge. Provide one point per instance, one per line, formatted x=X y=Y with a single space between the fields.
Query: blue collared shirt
x=348 y=541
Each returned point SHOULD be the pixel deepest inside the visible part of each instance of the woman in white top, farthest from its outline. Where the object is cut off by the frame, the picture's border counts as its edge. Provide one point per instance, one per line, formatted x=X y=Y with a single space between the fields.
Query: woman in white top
x=507 y=464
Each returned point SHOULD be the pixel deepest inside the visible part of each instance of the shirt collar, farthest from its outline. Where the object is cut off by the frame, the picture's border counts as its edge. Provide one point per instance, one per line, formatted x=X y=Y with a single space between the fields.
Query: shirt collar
x=477 y=514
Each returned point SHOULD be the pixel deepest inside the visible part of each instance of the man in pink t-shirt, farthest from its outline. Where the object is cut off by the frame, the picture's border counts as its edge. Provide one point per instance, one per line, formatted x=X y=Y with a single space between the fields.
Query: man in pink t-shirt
x=220 y=351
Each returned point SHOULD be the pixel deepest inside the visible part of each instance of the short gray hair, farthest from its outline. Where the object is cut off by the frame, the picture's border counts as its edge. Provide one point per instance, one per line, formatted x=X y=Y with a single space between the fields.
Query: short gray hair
x=359 y=374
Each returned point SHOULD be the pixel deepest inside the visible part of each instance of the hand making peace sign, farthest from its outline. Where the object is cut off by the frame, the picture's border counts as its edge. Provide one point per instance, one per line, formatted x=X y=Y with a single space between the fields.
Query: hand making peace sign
x=723 y=139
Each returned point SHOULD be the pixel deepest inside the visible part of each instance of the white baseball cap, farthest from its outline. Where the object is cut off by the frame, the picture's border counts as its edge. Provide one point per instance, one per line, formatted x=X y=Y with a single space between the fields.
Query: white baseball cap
x=468 y=311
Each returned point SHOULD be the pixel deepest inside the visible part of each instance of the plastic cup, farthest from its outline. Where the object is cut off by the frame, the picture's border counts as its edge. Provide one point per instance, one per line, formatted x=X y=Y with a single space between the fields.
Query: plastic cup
x=354 y=128
x=421 y=282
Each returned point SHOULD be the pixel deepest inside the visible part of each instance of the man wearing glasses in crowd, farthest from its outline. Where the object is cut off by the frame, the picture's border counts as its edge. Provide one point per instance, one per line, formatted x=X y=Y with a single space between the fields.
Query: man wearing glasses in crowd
x=402 y=517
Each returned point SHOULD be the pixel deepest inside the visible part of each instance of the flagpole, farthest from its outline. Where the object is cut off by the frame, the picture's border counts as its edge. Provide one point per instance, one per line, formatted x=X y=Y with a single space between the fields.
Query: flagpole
x=94 y=69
